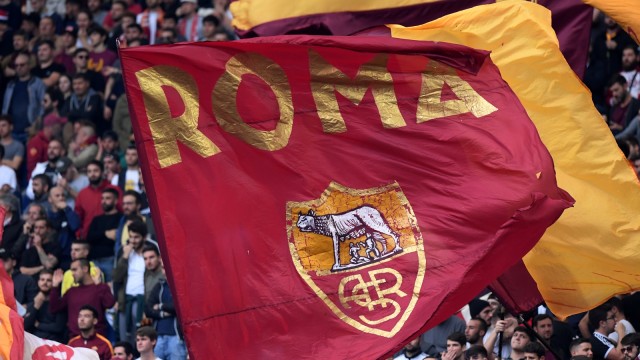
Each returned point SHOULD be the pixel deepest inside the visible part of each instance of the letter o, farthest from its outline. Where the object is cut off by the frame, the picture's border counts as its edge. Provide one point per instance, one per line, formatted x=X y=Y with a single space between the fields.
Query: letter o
x=225 y=93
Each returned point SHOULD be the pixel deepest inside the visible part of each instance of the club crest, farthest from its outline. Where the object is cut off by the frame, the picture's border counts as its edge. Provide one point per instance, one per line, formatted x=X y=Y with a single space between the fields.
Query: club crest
x=361 y=251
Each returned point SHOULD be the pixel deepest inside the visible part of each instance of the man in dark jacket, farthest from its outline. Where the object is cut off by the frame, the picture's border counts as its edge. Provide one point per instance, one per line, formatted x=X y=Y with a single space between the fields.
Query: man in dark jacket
x=160 y=308
x=39 y=320
x=12 y=223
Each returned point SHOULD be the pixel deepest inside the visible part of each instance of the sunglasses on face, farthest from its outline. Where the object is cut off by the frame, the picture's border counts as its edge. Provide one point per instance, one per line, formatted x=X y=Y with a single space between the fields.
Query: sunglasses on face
x=627 y=348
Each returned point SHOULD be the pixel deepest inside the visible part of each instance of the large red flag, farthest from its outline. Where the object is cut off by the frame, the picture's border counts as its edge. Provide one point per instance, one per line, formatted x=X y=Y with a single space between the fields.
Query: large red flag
x=332 y=197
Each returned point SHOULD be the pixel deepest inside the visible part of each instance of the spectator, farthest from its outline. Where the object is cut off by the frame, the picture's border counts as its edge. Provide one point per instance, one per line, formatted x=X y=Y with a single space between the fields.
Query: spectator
x=64 y=221
x=83 y=148
x=475 y=331
x=534 y=351
x=89 y=338
x=87 y=293
x=39 y=144
x=133 y=32
x=160 y=308
x=411 y=351
x=84 y=102
x=84 y=22
x=129 y=179
x=630 y=70
x=108 y=144
x=209 y=26
x=100 y=56
x=79 y=250
x=111 y=166
x=581 y=347
x=521 y=337
x=456 y=342
x=39 y=320
x=150 y=20
x=80 y=62
x=49 y=168
x=629 y=346
x=13 y=225
x=42 y=252
x=434 y=341
x=154 y=271
x=64 y=85
x=13 y=150
x=46 y=32
x=129 y=277
x=624 y=108
x=481 y=309
x=131 y=204
x=476 y=352
x=41 y=184
x=71 y=180
x=190 y=25
x=23 y=98
x=8 y=181
x=112 y=19
x=102 y=233
x=123 y=351
x=97 y=11
x=24 y=287
x=47 y=70
x=146 y=338
x=623 y=326
x=608 y=45
x=88 y=202
x=69 y=38
x=602 y=320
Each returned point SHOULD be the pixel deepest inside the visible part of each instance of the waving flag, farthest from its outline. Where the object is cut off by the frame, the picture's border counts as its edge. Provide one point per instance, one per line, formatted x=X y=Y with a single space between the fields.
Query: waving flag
x=571 y=18
x=331 y=197
x=591 y=253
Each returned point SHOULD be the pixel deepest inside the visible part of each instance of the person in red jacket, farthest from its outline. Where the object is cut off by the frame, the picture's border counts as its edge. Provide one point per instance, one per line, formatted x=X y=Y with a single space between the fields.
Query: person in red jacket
x=88 y=202
x=89 y=338
x=89 y=292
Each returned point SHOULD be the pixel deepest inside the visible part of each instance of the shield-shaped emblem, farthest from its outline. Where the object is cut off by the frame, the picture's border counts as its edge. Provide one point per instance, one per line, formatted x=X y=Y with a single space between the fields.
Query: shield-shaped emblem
x=361 y=251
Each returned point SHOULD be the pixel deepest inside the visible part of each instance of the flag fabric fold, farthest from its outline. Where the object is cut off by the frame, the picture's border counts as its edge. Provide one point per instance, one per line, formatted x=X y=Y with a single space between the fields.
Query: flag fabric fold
x=591 y=252
x=571 y=18
x=332 y=197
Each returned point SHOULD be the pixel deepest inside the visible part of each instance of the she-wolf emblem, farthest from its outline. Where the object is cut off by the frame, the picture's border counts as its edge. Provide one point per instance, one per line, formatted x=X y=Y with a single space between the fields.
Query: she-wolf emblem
x=364 y=220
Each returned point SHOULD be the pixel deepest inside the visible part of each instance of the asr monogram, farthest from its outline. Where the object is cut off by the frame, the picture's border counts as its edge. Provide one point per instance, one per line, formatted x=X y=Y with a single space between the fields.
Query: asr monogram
x=361 y=293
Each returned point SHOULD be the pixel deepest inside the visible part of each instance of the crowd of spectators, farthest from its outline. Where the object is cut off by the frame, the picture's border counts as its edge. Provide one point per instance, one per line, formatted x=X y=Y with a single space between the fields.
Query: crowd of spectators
x=78 y=238
x=607 y=332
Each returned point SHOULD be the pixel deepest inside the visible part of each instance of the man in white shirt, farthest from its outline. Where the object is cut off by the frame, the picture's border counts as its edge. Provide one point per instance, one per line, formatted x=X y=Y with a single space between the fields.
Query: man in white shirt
x=8 y=182
x=130 y=268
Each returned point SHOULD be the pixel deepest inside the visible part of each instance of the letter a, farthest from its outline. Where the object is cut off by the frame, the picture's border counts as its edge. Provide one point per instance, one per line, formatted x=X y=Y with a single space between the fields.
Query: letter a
x=429 y=105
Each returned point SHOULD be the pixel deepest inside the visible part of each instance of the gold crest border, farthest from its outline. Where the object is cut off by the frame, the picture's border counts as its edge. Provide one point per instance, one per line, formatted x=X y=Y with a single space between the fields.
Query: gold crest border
x=422 y=262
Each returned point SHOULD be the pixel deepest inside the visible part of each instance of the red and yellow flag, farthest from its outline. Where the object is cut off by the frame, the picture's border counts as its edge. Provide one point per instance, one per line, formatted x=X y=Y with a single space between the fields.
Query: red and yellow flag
x=330 y=197
x=592 y=252
x=571 y=18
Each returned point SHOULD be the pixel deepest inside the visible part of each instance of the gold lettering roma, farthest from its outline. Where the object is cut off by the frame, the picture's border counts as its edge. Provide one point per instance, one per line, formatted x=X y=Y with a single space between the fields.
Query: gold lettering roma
x=326 y=80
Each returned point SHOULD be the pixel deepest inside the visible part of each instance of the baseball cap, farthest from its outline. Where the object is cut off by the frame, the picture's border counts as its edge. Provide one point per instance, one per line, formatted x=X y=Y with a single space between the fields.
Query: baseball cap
x=4 y=16
x=53 y=119
x=70 y=29
x=5 y=254
x=63 y=164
